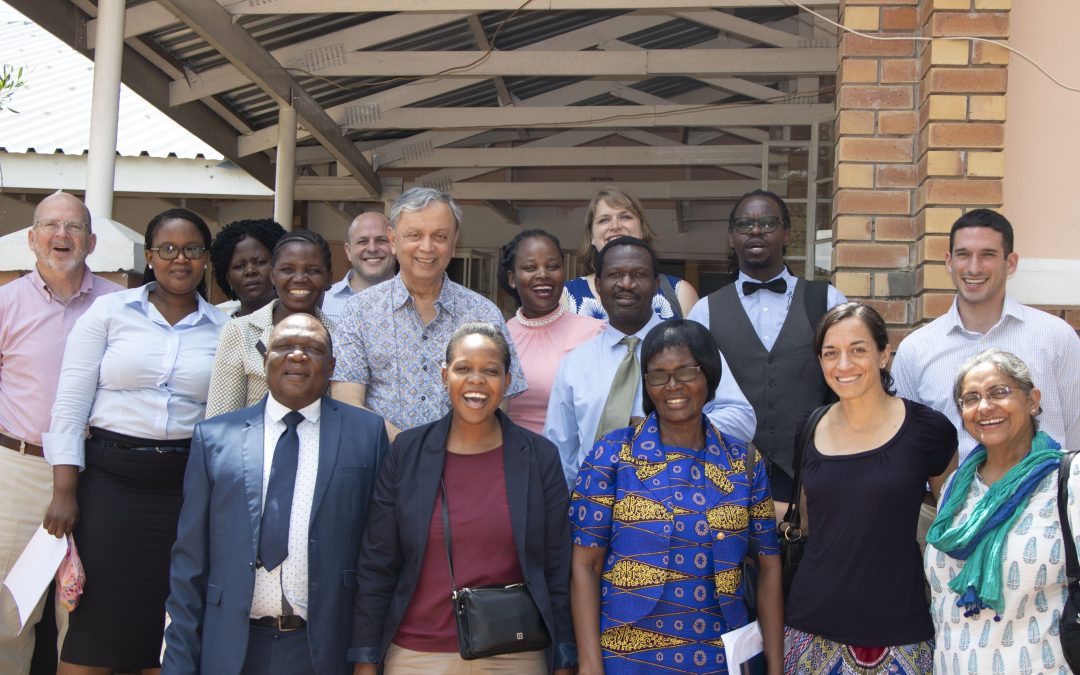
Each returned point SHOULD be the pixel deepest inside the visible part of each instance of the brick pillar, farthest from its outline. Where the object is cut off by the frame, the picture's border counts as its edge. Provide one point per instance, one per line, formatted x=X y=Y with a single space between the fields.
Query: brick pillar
x=876 y=162
x=961 y=157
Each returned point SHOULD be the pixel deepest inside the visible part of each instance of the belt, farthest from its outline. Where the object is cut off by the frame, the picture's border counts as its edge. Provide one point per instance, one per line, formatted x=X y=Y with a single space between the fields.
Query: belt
x=111 y=439
x=22 y=446
x=283 y=623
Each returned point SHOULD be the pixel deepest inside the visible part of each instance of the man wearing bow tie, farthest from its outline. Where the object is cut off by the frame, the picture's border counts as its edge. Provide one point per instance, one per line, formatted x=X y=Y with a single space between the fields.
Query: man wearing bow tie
x=275 y=503
x=770 y=349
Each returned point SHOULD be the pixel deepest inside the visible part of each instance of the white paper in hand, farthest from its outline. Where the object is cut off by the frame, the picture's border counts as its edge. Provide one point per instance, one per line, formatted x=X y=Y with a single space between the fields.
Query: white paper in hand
x=742 y=644
x=35 y=569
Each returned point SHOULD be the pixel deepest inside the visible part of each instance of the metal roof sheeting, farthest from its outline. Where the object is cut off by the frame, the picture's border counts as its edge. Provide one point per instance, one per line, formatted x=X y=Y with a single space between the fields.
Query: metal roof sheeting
x=54 y=104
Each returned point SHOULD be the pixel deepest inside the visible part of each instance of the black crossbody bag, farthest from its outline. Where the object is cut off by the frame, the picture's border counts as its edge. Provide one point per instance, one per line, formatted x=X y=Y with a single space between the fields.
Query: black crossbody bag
x=492 y=620
x=1069 y=624
x=792 y=538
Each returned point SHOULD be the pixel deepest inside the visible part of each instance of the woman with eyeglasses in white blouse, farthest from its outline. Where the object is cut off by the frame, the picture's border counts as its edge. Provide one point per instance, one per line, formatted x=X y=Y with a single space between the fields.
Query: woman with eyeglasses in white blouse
x=136 y=372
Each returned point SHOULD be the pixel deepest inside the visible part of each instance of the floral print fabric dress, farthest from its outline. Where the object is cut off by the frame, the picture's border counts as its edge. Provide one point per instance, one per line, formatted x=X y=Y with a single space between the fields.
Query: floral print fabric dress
x=676 y=523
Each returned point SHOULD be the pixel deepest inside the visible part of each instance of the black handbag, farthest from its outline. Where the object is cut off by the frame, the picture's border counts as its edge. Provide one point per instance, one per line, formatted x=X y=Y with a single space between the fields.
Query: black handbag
x=492 y=620
x=1069 y=624
x=792 y=537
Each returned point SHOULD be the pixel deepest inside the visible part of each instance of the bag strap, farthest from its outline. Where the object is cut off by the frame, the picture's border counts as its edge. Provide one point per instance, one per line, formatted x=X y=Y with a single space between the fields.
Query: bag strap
x=793 y=518
x=446 y=535
x=668 y=291
x=1072 y=566
x=815 y=300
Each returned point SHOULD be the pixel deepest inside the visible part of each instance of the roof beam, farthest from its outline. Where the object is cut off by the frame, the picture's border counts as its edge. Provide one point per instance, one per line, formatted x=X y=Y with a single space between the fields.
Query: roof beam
x=398 y=97
x=150 y=17
x=772 y=61
x=329 y=6
x=336 y=189
x=742 y=27
x=216 y=26
x=311 y=55
x=589 y=156
x=607 y=117
x=68 y=23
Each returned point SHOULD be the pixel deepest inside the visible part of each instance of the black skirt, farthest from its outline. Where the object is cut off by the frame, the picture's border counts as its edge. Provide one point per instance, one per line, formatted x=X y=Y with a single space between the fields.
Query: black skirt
x=129 y=505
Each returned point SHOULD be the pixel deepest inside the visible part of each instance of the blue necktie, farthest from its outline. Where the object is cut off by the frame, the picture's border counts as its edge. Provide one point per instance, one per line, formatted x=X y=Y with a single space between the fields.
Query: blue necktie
x=274 y=537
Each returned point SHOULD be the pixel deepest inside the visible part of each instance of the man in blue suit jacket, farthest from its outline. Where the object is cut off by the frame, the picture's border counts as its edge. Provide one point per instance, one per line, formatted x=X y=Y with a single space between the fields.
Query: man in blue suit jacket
x=230 y=612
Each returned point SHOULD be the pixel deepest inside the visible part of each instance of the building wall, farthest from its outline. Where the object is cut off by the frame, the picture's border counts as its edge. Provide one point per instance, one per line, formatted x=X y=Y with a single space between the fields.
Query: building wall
x=1043 y=139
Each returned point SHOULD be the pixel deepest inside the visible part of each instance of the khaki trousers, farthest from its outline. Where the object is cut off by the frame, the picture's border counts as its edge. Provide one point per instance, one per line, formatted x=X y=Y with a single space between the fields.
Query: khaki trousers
x=25 y=493
x=401 y=661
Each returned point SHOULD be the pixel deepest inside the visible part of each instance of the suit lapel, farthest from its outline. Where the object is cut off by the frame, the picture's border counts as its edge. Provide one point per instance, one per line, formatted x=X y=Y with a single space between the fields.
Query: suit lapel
x=516 y=468
x=251 y=454
x=329 y=446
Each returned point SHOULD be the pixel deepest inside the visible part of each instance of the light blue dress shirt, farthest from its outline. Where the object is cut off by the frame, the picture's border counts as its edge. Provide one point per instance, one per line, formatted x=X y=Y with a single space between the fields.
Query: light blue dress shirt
x=128 y=371
x=581 y=389
x=766 y=310
x=335 y=297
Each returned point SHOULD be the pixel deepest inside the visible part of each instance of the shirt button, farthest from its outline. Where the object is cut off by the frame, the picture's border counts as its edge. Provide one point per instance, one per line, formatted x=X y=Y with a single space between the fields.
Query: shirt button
x=425 y=369
x=423 y=398
x=719 y=536
x=764 y=309
x=423 y=337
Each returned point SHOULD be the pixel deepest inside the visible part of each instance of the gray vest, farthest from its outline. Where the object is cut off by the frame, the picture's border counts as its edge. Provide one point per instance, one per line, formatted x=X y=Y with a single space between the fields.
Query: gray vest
x=781 y=385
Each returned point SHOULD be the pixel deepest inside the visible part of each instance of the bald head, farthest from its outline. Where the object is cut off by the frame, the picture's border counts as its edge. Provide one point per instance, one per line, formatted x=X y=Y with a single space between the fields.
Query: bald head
x=61 y=239
x=299 y=361
x=62 y=201
x=368 y=250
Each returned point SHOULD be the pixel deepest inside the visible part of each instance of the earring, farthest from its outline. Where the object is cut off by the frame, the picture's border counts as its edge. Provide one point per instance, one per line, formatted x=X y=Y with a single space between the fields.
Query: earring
x=149 y=266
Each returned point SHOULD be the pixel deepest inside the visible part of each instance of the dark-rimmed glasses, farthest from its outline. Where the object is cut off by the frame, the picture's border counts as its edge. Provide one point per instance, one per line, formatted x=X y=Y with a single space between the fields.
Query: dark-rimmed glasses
x=746 y=225
x=170 y=252
x=658 y=378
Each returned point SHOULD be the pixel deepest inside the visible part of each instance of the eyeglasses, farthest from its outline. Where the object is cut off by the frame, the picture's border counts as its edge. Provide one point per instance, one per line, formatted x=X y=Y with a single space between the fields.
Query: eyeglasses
x=170 y=252
x=54 y=226
x=746 y=225
x=658 y=378
x=998 y=393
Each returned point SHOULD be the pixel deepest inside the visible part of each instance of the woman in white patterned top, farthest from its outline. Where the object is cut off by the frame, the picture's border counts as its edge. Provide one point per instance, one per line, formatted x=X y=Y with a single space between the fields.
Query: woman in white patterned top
x=300 y=272
x=995 y=556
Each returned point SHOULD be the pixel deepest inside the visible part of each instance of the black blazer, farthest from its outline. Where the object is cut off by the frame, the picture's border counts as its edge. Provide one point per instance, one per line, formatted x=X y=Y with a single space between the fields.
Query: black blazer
x=399 y=520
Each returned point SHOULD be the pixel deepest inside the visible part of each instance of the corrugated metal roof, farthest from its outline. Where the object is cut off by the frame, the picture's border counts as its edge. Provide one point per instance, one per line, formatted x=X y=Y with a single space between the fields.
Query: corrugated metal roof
x=54 y=104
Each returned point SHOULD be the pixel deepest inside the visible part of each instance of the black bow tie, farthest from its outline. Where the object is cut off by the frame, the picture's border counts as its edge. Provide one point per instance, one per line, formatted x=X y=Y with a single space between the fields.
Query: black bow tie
x=776 y=286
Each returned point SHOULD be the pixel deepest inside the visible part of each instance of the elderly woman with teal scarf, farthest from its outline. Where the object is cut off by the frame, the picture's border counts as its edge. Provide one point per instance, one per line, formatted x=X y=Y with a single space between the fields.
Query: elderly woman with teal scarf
x=995 y=557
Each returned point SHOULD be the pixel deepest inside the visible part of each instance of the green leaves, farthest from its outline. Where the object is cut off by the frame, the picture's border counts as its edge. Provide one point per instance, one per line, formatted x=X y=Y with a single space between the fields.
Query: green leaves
x=11 y=78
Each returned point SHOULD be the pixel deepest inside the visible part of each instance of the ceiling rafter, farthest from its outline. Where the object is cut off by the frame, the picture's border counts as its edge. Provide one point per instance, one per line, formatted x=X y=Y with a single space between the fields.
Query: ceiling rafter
x=214 y=24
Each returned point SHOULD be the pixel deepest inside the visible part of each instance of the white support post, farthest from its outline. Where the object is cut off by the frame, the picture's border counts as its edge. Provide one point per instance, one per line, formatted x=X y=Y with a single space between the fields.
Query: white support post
x=285 y=177
x=105 y=107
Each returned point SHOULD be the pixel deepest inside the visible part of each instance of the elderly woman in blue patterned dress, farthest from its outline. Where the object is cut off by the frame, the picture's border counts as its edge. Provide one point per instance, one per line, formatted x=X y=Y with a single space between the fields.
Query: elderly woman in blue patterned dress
x=662 y=515
x=995 y=556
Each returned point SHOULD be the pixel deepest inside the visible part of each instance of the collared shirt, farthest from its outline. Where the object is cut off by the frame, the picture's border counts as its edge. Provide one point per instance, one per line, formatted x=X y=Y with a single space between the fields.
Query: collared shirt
x=337 y=296
x=766 y=310
x=381 y=342
x=581 y=389
x=927 y=361
x=34 y=326
x=127 y=370
x=291 y=576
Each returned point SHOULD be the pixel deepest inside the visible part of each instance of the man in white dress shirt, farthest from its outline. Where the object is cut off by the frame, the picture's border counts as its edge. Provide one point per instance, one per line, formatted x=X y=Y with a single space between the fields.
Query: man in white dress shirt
x=275 y=503
x=371 y=260
x=770 y=347
x=980 y=260
x=626 y=283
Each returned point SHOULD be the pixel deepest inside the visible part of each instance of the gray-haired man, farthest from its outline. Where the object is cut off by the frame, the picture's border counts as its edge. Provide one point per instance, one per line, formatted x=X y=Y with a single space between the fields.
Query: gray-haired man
x=391 y=338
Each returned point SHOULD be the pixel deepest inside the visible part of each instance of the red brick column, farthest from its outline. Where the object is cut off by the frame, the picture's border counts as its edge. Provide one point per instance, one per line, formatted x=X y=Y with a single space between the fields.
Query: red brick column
x=876 y=161
x=961 y=142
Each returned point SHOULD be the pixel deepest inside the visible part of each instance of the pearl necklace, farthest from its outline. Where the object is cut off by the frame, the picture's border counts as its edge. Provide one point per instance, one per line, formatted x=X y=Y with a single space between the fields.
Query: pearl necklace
x=542 y=321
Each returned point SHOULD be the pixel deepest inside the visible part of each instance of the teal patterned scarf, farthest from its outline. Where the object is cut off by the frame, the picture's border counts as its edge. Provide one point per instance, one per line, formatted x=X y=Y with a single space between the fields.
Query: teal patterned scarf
x=980 y=538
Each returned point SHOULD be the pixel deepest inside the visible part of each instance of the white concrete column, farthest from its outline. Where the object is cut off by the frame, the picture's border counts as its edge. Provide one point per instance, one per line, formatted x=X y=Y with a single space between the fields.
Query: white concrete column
x=285 y=177
x=105 y=107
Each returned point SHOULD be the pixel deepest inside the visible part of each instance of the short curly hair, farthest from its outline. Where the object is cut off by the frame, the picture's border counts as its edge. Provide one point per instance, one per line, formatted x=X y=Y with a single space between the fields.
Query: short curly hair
x=264 y=230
